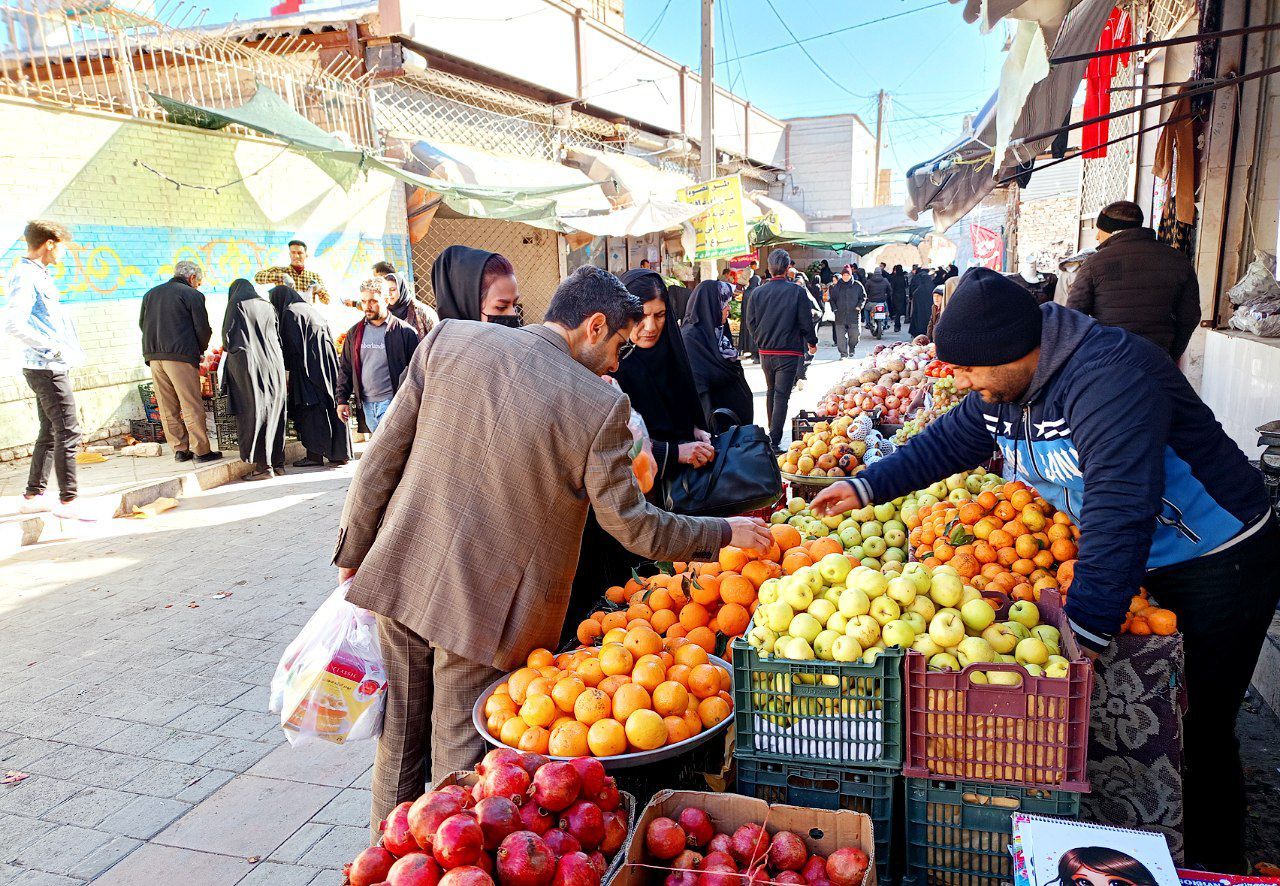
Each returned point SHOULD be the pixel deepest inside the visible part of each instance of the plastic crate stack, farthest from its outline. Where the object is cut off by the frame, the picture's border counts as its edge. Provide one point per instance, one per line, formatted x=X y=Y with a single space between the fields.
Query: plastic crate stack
x=222 y=421
x=148 y=429
x=977 y=753
x=823 y=734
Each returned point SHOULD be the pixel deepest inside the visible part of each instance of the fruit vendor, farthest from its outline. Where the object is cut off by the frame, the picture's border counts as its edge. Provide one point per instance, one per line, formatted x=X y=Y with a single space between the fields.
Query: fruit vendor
x=1104 y=426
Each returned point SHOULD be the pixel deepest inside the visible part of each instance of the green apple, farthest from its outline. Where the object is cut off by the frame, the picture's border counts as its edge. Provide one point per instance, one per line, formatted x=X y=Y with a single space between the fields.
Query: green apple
x=1018 y=629
x=862 y=515
x=958 y=495
x=872 y=528
x=1031 y=651
x=871 y=563
x=778 y=615
x=894 y=557
x=927 y=499
x=1006 y=658
x=832 y=594
x=894 y=524
x=898 y=633
x=926 y=646
x=1025 y=613
x=939 y=489
x=979 y=678
x=822 y=609
x=832 y=521
x=769 y=591
x=798 y=522
x=805 y=626
x=763 y=637
x=946 y=628
x=845 y=648
x=903 y=590
x=834 y=568
x=778 y=517
x=885 y=610
x=797 y=504
x=919 y=573
x=838 y=622
x=811 y=577
x=895 y=538
x=854 y=601
x=955 y=481
x=798 y=649
x=909 y=512
x=867 y=580
x=850 y=536
x=886 y=511
x=1034 y=670
x=969 y=593
x=874 y=546
x=947 y=568
x=973 y=483
x=870 y=655
x=1049 y=634
x=944 y=661
x=856 y=552
x=923 y=605
x=916 y=620
x=796 y=594
x=864 y=629
x=974 y=649
x=824 y=643
x=1057 y=667
x=946 y=589
x=847 y=523
x=977 y=614
x=1002 y=640
x=1004 y=678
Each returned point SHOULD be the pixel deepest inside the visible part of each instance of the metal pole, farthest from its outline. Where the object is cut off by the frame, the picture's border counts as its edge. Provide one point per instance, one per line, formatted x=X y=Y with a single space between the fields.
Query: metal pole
x=875 y=175
x=708 y=109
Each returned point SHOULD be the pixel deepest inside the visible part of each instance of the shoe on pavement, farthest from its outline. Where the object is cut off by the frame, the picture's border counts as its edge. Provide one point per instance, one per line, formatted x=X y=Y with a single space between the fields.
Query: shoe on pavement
x=337 y=464
x=308 y=463
x=211 y=455
x=73 y=510
x=36 y=504
x=259 y=474
x=182 y=455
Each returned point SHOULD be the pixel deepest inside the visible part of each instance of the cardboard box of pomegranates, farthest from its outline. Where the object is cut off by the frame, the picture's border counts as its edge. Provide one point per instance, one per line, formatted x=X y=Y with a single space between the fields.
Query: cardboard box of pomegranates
x=682 y=837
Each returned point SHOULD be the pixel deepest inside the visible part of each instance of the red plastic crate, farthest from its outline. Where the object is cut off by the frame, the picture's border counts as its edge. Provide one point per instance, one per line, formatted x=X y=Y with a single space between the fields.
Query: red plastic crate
x=1035 y=734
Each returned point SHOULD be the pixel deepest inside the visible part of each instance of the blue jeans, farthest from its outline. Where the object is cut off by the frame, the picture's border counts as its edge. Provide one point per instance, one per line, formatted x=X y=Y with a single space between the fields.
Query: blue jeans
x=373 y=413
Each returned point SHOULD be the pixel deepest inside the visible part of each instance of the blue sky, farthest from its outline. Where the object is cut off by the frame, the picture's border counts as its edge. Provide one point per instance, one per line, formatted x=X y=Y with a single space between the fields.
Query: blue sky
x=936 y=67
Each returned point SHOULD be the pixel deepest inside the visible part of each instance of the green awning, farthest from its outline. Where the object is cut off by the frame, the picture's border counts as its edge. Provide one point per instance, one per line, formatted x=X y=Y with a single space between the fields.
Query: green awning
x=763 y=234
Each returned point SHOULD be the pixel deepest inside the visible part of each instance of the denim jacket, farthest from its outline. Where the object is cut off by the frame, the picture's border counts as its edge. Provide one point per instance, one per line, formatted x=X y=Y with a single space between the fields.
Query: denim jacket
x=35 y=316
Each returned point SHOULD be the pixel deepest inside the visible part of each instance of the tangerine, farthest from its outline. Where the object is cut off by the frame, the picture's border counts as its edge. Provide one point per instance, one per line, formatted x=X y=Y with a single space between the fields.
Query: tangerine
x=966 y=564
x=704 y=681
x=646 y=730
x=536 y=740
x=1026 y=546
x=540 y=658
x=638 y=611
x=511 y=731
x=616 y=659
x=495 y=721
x=823 y=546
x=733 y=559
x=987 y=500
x=589 y=631
x=496 y=703
x=678 y=729
x=670 y=698
x=691 y=655
x=569 y=739
x=538 y=710
x=714 y=710
x=704 y=637
x=592 y=705
x=649 y=674
x=663 y=619
x=629 y=698
x=739 y=589
x=607 y=738
x=694 y=615
x=539 y=686
x=706 y=590
x=794 y=560
x=1163 y=622
x=642 y=641
x=590 y=671
x=566 y=692
x=614 y=620
x=518 y=683
x=611 y=684
x=733 y=619
x=615 y=594
x=1063 y=549
x=679 y=673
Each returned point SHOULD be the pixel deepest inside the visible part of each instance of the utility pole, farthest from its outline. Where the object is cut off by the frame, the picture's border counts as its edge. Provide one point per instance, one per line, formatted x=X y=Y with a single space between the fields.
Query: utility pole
x=875 y=187
x=708 y=95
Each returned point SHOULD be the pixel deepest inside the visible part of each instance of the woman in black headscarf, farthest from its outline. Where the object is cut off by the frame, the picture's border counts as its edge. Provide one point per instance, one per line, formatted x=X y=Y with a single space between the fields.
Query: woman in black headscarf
x=717 y=371
x=898 y=283
x=253 y=376
x=312 y=361
x=472 y=284
x=402 y=305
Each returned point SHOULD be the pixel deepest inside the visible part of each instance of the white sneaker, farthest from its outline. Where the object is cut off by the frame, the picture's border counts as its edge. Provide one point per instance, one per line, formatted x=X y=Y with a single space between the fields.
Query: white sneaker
x=73 y=510
x=36 y=505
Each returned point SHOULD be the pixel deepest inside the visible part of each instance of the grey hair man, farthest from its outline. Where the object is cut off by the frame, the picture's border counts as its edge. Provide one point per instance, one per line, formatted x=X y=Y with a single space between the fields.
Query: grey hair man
x=175 y=335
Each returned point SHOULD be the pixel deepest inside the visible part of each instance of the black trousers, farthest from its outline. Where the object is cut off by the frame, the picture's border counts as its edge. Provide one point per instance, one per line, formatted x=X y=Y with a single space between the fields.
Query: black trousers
x=779 y=377
x=59 y=433
x=1224 y=604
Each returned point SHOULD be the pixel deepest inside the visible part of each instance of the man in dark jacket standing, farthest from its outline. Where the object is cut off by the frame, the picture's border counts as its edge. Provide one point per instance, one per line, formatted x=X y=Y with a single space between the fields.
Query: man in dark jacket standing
x=782 y=326
x=1138 y=283
x=175 y=333
x=1109 y=431
x=847 y=296
x=374 y=356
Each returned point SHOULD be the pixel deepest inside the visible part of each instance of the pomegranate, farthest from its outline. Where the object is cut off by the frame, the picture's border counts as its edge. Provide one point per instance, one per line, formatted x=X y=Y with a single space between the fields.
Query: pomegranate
x=457 y=790
x=561 y=843
x=415 y=869
x=598 y=860
x=497 y=757
x=697 y=826
x=477 y=792
x=428 y=811
x=718 y=857
x=609 y=798
x=396 y=836
x=721 y=843
x=555 y=786
x=719 y=875
x=680 y=878
x=591 y=772
x=750 y=842
x=459 y=841
x=525 y=860
x=847 y=867
x=815 y=868
x=575 y=869
x=536 y=819
x=497 y=817
x=792 y=878
x=757 y=876
x=533 y=762
x=787 y=852
x=686 y=861
x=664 y=839
x=615 y=831
x=506 y=780
x=370 y=867
x=467 y=875
x=586 y=822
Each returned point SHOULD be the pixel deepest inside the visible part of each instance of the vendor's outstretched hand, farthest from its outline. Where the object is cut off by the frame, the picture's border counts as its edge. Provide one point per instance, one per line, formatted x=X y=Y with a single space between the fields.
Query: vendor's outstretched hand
x=750 y=533
x=836 y=499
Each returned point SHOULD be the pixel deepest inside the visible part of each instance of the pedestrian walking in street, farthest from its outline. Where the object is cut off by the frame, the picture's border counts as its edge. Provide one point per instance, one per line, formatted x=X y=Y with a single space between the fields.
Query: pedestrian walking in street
x=825 y=275
x=879 y=291
x=36 y=318
x=941 y=295
x=847 y=297
x=899 y=304
x=746 y=344
x=312 y=361
x=295 y=274
x=1094 y=414
x=921 y=293
x=375 y=354
x=782 y=326
x=1138 y=283
x=401 y=303
x=253 y=375
x=175 y=335
x=717 y=371
x=922 y=310
x=466 y=585
x=472 y=284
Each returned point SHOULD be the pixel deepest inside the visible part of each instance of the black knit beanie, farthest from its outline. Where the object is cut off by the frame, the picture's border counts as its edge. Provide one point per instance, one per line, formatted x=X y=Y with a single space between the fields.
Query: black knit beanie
x=989 y=320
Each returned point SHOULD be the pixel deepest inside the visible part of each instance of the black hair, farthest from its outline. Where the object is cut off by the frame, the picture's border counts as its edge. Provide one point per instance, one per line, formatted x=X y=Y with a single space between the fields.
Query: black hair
x=297 y=243
x=647 y=288
x=384 y=267
x=779 y=261
x=591 y=290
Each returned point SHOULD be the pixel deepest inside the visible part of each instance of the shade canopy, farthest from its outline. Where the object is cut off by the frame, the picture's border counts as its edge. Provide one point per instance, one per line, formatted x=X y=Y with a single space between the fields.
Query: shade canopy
x=628 y=180
x=764 y=235
x=784 y=217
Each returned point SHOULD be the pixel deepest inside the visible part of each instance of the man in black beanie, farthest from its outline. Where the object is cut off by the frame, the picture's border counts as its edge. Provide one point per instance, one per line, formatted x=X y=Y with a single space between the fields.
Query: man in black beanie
x=1107 y=429
x=1138 y=283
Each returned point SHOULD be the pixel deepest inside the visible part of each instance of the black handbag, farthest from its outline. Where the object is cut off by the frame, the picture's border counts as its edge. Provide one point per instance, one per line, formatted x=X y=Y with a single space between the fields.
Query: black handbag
x=743 y=476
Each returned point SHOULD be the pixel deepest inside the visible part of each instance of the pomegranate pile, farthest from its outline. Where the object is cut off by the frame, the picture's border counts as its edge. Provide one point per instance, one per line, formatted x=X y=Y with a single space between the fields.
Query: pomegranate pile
x=699 y=855
x=528 y=821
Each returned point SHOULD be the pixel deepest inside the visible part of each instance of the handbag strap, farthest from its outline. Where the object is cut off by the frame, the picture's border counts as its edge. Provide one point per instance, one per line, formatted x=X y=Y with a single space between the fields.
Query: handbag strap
x=723 y=419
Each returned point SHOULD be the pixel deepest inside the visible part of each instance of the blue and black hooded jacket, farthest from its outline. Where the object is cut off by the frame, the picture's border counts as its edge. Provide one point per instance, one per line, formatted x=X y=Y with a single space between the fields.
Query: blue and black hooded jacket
x=1111 y=432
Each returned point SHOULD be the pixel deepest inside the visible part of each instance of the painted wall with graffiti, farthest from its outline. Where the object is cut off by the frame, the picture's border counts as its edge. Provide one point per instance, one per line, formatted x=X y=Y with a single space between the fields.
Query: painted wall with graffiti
x=140 y=197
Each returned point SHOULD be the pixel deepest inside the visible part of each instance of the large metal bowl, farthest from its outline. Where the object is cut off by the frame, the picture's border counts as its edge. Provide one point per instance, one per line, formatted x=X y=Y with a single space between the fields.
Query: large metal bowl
x=620 y=761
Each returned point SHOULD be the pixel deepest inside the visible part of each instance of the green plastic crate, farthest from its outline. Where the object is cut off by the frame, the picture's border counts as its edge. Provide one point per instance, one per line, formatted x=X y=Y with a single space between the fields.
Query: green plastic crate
x=958 y=832
x=869 y=791
x=826 y=712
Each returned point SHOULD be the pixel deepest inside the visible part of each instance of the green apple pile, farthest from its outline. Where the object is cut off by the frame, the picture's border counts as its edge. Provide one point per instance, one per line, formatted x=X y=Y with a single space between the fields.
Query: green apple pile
x=874 y=535
x=958 y=488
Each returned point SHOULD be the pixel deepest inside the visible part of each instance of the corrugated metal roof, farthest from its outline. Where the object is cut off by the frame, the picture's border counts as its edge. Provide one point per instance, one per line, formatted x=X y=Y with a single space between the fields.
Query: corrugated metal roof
x=1064 y=178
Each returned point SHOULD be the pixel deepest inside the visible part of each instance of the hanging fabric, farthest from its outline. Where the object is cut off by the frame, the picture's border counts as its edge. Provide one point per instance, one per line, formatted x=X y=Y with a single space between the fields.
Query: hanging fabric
x=1097 y=79
x=1175 y=159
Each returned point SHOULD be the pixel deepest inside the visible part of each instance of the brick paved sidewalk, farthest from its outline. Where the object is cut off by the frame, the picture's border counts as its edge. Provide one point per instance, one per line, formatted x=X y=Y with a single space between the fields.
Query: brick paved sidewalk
x=135 y=698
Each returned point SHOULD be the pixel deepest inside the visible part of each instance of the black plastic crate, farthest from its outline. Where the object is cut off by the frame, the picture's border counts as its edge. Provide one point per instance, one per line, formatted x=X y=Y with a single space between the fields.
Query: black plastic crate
x=225 y=426
x=802 y=423
x=958 y=832
x=869 y=791
x=145 y=431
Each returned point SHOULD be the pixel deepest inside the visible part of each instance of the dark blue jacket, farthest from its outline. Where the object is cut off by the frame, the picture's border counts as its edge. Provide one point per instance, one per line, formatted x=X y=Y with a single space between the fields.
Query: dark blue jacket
x=1112 y=433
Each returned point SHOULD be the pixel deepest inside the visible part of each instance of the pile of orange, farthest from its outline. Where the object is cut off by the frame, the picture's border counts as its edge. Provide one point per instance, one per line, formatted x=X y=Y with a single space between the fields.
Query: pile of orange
x=1146 y=619
x=701 y=601
x=1008 y=539
x=637 y=692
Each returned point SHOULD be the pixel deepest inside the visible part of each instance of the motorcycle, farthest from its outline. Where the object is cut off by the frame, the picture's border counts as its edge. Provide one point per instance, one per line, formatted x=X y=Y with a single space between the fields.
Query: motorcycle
x=879 y=318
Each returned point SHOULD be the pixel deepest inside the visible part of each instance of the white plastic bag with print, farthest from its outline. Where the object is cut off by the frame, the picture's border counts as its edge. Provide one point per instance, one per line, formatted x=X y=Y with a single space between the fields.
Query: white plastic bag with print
x=330 y=684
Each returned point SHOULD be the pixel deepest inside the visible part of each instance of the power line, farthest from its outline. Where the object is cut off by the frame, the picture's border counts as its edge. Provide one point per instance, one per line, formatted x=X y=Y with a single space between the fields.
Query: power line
x=733 y=38
x=806 y=52
x=797 y=41
x=929 y=55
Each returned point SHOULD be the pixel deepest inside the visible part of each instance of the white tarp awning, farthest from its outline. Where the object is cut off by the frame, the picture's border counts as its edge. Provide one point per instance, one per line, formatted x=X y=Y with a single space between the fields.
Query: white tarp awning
x=787 y=218
x=628 y=180
x=647 y=217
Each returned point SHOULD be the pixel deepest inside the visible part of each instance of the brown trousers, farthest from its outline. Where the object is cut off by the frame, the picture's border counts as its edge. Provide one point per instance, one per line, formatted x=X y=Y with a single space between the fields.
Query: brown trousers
x=181 y=408
x=430 y=694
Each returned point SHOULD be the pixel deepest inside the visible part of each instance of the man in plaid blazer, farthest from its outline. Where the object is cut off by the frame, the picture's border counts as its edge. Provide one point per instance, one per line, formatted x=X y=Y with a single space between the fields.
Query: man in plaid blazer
x=463 y=522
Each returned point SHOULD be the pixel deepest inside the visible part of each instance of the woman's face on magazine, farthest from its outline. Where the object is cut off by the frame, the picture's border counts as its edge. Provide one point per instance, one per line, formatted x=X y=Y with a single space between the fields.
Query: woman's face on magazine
x=1090 y=877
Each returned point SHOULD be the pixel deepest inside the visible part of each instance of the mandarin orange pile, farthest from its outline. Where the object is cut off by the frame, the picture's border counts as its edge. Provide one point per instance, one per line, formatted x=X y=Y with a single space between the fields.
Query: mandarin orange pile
x=1144 y=618
x=1008 y=539
x=637 y=692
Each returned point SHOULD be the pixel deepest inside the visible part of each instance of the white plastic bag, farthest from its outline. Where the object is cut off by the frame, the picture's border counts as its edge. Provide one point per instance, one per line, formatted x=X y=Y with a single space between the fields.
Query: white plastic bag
x=1258 y=283
x=330 y=684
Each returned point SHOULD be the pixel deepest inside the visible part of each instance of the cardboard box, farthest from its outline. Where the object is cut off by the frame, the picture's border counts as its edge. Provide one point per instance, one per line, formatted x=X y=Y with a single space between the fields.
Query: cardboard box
x=823 y=830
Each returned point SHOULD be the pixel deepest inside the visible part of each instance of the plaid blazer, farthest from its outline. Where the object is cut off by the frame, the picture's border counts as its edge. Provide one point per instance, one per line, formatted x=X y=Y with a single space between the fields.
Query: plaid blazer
x=466 y=511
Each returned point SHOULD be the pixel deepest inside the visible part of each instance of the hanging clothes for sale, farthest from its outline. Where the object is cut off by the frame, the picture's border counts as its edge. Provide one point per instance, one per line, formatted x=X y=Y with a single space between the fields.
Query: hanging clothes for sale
x=1097 y=83
x=1175 y=165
